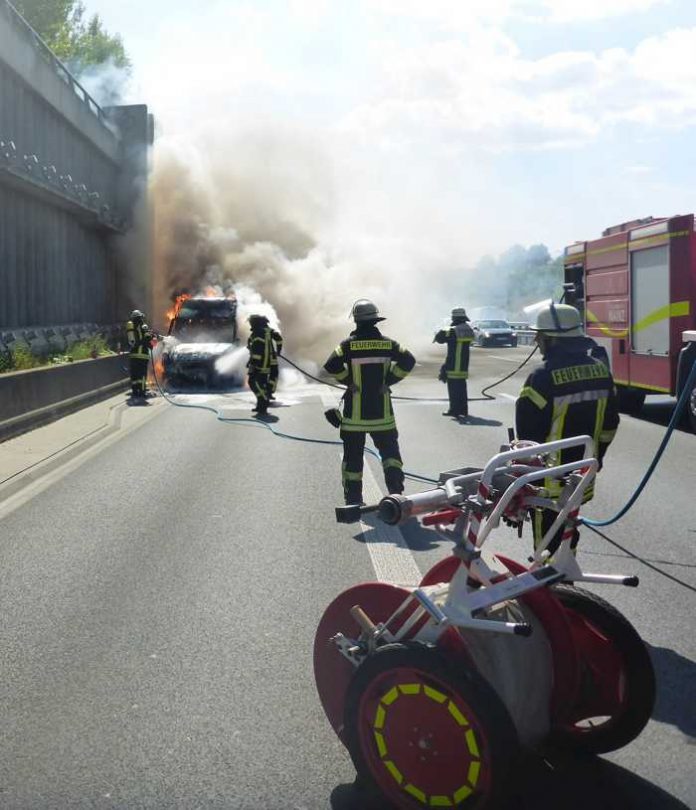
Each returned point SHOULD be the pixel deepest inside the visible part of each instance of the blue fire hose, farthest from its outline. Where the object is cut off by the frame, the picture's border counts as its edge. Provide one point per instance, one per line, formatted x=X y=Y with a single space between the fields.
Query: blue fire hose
x=678 y=410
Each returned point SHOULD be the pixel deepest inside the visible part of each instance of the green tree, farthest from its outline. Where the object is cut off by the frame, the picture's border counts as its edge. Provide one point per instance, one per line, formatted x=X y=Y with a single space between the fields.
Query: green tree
x=75 y=39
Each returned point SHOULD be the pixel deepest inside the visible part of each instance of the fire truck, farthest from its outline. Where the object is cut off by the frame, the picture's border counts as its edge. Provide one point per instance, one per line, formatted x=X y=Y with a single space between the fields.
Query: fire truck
x=636 y=289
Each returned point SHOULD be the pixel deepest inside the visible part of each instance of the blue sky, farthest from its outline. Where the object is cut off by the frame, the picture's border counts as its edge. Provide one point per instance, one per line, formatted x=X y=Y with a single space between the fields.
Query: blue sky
x=464 y=125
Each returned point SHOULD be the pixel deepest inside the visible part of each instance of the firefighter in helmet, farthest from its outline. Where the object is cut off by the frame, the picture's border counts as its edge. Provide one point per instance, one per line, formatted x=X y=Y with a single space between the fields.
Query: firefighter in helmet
x=571 y=394
x=458 y=338
x=276 y=350
x=368 y=363
x=259 y=365
x=140 y=338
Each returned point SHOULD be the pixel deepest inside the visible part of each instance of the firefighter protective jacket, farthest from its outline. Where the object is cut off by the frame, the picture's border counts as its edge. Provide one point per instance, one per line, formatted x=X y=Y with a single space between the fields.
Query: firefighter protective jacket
x=458 y=338
x=368 y=363
x=260 y=350
x=276 y=346
x=139 y=339
x=572 y=394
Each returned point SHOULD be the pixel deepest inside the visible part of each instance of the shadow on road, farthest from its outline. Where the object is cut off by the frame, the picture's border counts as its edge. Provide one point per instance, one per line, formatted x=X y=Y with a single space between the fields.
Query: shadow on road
x=659 y=411
x=417 y=538
x=676 y=690
x=570 y=783
x=479 y=421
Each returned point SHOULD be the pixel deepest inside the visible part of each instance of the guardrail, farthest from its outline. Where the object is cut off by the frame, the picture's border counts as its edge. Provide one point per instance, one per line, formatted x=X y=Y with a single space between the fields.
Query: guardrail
x=525 y=337
x=50 y=58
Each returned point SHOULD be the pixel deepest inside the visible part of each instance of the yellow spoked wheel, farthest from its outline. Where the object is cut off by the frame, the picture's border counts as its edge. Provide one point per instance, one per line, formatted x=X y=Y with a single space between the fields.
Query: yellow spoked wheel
x=424 y=734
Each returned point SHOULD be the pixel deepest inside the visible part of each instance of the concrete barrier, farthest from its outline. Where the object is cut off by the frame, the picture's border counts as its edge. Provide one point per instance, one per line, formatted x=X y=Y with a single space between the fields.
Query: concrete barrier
x=38 y=396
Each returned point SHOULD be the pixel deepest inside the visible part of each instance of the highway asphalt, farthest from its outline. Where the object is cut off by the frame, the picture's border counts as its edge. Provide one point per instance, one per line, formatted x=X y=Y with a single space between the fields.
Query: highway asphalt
x=160 y=598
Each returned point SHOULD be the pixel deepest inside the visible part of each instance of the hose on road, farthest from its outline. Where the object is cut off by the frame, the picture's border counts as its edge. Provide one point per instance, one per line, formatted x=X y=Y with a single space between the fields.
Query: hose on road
x=256 y=422
x=673 y=422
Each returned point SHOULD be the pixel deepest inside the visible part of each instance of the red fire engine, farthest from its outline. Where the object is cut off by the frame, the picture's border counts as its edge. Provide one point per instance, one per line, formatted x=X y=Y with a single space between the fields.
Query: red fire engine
x=636 y=287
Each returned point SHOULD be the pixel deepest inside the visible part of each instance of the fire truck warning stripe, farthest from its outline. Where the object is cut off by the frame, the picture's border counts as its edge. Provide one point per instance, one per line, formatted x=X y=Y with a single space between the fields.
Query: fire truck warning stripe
x=648 y=241
x=675 y=310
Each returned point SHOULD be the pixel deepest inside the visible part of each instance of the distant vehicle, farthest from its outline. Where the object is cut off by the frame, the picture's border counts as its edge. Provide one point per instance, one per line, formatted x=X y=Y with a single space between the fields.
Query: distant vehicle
x=519 y=326
x=636 y=288
x=202 y=335
x=494 y=333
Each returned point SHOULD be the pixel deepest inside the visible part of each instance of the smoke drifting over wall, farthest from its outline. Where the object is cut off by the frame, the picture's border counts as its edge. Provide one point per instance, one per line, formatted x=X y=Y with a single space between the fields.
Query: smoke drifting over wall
x=260 y=211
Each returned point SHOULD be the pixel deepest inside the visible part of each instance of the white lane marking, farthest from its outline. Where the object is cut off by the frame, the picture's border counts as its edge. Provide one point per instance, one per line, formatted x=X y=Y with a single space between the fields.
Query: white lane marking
x=507 y=359
x=513 y=397
x=391 y=557
x=45 y=481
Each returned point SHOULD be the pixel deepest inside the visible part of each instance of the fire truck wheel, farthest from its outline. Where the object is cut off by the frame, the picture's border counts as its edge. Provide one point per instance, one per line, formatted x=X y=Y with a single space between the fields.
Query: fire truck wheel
x=630 y=399
x=617 y=680
x=691 y=410
x=423 y=733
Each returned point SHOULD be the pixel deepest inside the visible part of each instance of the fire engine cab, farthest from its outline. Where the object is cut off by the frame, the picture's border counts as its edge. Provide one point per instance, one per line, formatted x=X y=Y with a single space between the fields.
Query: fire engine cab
x=636 y=289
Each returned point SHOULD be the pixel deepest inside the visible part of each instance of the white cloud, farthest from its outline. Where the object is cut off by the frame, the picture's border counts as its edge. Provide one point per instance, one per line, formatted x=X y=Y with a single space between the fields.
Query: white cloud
x=564 y=11
x=480 y=90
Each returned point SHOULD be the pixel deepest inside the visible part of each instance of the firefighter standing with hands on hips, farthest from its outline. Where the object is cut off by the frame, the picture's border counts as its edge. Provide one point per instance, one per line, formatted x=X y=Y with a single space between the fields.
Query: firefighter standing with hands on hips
x=259 y=365
x=368 y=363
x=571 y=394
x=140 y=338
x=458 y=338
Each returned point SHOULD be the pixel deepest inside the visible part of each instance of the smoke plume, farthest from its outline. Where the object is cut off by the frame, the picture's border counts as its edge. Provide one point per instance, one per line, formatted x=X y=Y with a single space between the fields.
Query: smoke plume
x=260 y=212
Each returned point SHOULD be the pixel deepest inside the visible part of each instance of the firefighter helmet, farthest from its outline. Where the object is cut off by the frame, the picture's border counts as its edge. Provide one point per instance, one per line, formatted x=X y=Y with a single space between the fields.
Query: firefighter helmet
x=459 y=314
x=137 y=315
x=364 y=310
x=559 y=320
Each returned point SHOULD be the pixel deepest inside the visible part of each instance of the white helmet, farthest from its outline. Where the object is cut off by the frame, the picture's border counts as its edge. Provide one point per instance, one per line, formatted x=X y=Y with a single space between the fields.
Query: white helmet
x=137 y=314
x=364 y=310
x=559 y=320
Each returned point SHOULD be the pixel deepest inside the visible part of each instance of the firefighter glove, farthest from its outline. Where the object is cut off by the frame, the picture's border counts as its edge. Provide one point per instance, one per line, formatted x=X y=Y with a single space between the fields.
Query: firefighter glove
x=333 y=417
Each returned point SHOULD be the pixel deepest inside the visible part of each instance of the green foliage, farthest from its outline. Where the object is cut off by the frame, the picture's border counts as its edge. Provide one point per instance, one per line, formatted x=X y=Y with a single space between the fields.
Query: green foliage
x=22 y=358
x=75 y=39
x=518 y=277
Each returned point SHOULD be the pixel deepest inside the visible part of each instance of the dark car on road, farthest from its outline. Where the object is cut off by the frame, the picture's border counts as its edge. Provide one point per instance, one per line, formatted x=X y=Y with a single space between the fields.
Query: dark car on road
x=494 y=333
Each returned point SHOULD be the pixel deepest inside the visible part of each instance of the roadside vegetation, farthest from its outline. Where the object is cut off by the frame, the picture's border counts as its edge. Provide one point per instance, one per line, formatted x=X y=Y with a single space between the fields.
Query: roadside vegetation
x=21 y=357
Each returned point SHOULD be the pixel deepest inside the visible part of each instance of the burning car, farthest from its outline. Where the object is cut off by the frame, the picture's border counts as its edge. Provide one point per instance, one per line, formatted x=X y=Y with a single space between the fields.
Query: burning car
x=201 y=347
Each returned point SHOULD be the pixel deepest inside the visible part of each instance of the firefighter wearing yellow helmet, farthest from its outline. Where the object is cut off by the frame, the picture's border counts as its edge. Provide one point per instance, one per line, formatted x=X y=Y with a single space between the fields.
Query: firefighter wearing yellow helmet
x=571 y=394
x=368 y=363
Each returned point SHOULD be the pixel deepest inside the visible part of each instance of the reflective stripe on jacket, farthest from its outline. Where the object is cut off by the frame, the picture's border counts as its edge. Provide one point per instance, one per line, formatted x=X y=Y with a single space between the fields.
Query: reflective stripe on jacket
x=139 y=338
x=570 y=395
x=458 y=338
x=260 y=350
x=368 y=363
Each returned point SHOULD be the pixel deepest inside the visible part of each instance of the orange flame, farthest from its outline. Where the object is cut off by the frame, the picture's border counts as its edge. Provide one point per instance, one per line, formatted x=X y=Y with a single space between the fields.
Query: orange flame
x=174 y=311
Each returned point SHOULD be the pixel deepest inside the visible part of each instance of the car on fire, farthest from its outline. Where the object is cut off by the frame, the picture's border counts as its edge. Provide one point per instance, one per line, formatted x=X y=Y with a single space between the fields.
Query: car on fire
x=201 y=344
x=494 y=333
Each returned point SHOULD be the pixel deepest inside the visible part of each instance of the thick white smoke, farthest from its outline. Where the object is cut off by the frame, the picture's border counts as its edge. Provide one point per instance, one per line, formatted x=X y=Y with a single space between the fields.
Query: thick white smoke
x=263 y=211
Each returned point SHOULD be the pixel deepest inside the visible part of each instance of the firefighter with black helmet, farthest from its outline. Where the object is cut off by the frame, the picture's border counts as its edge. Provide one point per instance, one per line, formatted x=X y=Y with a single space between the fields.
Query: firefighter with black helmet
x=259 y=365
x=140 y=338
x=455 y=370
x=571 y=394
x=368 y=363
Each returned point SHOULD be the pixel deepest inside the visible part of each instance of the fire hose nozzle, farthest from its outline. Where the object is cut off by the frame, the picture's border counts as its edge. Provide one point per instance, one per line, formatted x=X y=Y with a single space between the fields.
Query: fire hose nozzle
x=393 y=509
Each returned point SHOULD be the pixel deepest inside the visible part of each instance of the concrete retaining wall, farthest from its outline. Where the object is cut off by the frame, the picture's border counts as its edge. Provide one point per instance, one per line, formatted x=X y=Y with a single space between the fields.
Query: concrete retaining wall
x=31 y=398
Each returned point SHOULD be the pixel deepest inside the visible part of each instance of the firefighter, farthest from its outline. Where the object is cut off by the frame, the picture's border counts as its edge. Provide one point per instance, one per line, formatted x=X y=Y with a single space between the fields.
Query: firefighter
x=455 y=371
x=259 y=365
x=571 y=394
x=276 y=349
x=140 y=339
x=368 y=363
